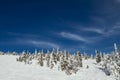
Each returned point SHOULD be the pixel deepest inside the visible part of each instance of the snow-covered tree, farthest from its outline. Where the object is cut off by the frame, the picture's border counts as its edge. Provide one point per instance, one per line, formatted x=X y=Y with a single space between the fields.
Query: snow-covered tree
x=40 y=60
x=48 y=58
x=98 y=57
x=54 y=57
x=79 y=59
x=66 y=54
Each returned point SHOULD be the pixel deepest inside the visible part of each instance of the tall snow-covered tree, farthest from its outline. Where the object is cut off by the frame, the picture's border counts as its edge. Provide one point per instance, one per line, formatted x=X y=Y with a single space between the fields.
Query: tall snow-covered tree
x=54 y=57
x=58 y=54
x=41 y=60
x=48 y=58
x=66 y=54
x=79 y=59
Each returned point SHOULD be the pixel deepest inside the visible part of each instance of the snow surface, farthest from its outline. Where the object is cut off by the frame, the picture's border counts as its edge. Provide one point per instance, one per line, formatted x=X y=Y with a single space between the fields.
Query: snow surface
x=10 y=69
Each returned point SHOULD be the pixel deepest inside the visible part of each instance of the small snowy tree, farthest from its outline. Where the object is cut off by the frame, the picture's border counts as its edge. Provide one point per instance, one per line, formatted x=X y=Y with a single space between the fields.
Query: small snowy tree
x=48 y=58
x=79 y=59
x=41 y=60
x=58 y=54
x=98 y=57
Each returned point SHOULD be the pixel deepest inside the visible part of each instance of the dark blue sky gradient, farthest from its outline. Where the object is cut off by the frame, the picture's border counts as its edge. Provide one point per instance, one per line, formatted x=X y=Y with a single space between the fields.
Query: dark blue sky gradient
x=83 y=25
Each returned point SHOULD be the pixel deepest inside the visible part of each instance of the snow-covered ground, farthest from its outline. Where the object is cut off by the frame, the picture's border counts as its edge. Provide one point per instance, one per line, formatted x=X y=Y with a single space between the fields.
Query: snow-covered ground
x=10 y=69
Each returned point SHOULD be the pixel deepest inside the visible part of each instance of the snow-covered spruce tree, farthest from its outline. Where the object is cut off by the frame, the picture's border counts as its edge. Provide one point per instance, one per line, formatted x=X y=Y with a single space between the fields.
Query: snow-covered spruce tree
x=62 y=62
x=54 y=57
x=79 y=59
x=48 y=58
x=69 y=69
x=58 y=54
x=40 y=60
x=98 y=57
x=20 y=58
x=24 y=57
x=27 y=58
x=116 y=49
x=30 y=57
x=74 y=62
x=66 y=54
x=106 y=64
x=116 y=62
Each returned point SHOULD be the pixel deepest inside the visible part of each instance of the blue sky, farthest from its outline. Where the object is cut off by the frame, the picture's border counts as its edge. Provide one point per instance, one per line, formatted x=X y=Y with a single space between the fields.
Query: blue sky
x=83 y=25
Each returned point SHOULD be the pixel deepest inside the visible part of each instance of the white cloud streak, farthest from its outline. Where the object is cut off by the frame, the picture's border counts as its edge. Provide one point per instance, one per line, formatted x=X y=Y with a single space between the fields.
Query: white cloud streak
x=43 y=44
x=36 y=43
x=111 y=31
x=74 y=37
x=32 y=40
x=96 y=30
x=104 y=33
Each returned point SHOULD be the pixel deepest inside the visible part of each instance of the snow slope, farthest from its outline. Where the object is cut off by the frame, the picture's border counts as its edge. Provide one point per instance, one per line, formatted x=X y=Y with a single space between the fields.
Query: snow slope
x=10 y=69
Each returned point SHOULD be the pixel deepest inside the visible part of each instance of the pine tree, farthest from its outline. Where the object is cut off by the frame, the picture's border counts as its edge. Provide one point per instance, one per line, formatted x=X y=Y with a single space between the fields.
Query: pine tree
x=98 y=57
x=41 y=60
x=66 y=54
x=79 y=59
x=58 y=54
x=54 y=57
x=48 y=58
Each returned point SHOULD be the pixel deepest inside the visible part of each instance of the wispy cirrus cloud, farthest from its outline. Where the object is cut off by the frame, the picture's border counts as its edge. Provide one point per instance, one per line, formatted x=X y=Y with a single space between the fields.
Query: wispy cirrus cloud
x=30 y=43
x=26 y=39
x=43 y=44
x=108 y=32
x=74 y=37
x=104 y=33
x=36 y=43
x=96 y=30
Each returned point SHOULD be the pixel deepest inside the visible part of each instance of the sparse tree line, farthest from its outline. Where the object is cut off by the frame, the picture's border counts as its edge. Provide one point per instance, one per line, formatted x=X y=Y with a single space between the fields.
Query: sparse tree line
x=65 y=61
x=71 y=63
